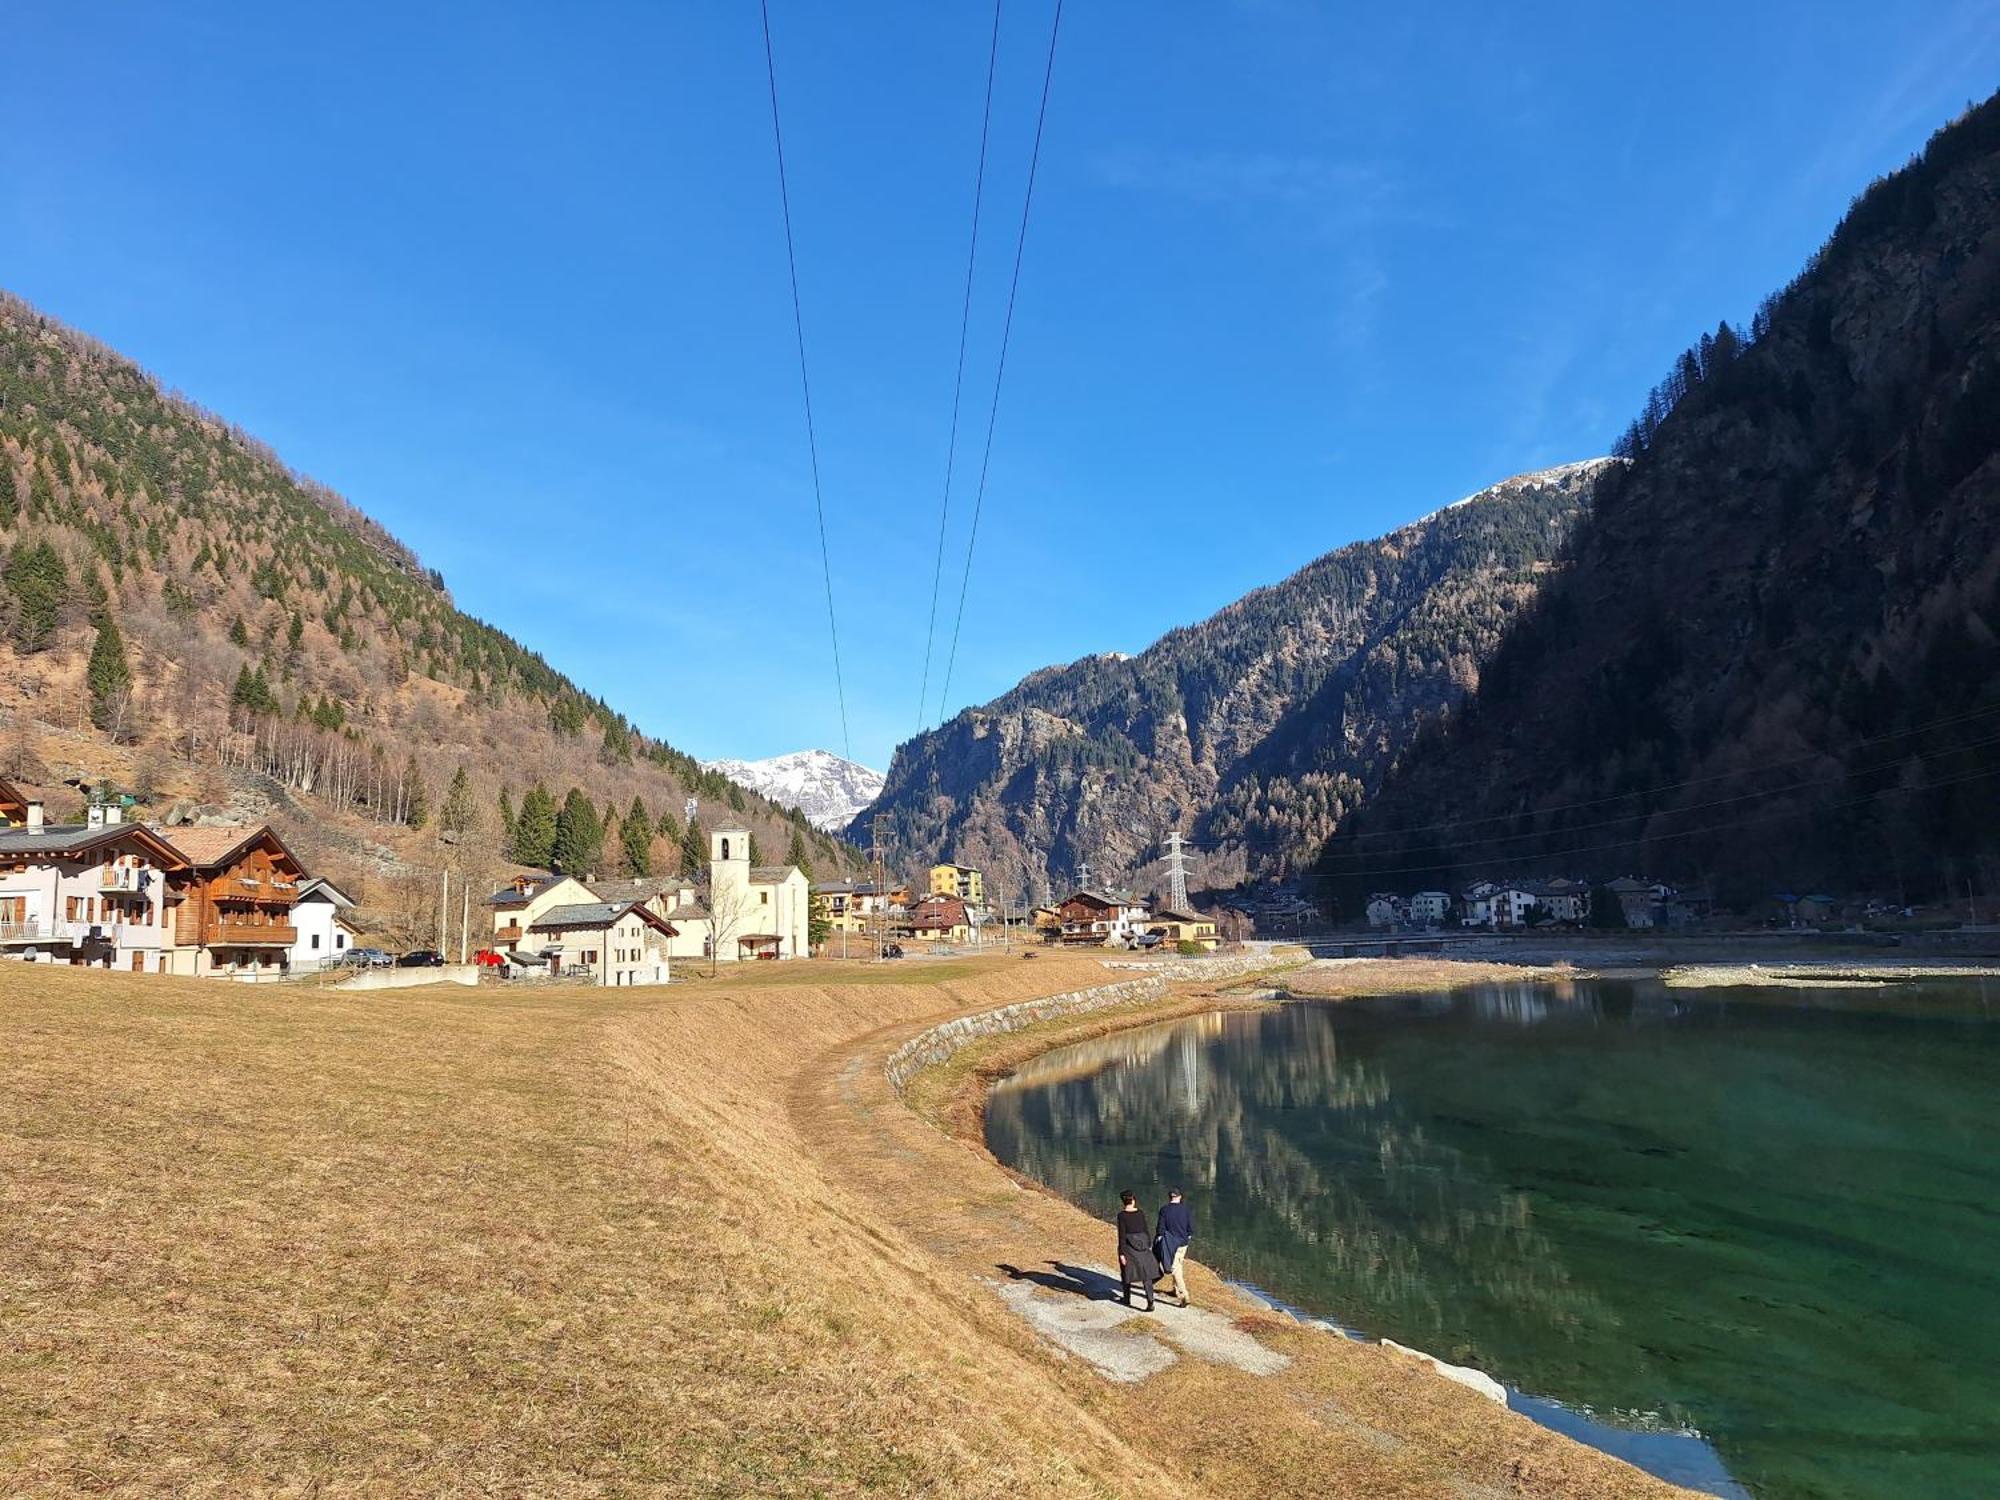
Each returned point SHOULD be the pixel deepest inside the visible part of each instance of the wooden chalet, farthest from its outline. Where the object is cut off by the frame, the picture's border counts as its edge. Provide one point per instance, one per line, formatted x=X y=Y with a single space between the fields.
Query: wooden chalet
x=236 y=897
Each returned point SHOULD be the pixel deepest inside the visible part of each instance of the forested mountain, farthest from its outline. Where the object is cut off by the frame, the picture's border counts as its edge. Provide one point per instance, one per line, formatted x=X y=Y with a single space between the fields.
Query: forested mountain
x=181 y=611
x=1253 y=731
x=1772 y=660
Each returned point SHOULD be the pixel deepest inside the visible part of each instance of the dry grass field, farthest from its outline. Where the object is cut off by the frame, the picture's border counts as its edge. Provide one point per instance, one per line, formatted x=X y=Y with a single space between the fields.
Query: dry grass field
x=287 y=1241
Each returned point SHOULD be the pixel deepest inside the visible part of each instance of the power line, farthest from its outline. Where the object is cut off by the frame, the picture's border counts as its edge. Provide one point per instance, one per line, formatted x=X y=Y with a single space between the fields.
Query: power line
x=1657 y=838
x=1000 y=369
x=805 y=381
x=958 y=376
x=1947 y=722
x=1691 y=807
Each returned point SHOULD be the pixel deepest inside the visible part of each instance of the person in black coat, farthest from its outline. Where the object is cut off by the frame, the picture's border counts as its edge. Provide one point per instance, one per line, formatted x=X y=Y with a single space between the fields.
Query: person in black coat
x=1137 y=1265
x=1176 y=1230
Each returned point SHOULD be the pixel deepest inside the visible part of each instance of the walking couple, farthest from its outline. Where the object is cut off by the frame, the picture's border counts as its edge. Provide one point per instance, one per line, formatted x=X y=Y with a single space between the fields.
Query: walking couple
x=1143 y=1257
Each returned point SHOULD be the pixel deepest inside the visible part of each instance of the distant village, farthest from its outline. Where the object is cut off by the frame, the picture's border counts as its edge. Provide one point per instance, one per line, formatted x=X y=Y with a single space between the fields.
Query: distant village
x=1634 y=902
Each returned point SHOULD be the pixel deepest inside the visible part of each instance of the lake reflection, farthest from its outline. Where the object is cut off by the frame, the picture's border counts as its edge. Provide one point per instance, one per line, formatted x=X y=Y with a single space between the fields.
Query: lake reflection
x=1770 y=1222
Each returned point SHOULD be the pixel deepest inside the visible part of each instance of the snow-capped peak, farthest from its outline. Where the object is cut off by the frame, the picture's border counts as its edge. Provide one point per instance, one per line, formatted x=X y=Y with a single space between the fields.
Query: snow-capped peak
x=826 y=788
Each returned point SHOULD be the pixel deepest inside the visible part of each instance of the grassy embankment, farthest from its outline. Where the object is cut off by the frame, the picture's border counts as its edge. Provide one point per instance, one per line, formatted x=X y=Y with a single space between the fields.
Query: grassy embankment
x=292 y=1241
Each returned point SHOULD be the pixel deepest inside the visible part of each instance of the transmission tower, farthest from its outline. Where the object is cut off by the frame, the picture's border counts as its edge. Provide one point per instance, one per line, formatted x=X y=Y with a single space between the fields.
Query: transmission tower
x=1177 y=896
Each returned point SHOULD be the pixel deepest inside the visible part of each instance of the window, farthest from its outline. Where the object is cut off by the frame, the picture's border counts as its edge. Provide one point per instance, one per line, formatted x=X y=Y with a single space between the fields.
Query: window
x=725 y=848
x=764 y=898
x=339 y=940
x=315 y=941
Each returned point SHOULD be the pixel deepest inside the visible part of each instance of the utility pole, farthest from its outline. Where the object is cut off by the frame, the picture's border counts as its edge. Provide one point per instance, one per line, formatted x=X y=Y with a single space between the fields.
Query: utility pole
x=1177 y=896
x=464 y=918
x=881 y=885
x=444 y=906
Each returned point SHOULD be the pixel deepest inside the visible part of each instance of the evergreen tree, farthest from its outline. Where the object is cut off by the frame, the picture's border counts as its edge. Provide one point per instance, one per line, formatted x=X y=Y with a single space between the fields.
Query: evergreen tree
x=108 y=675
x=239 y=634
x=40 y=584
x=670 y=826
x=579 y=836
x=10 y=494
x=819 y=923
x=41 y=494
x=617 y=747
x=797 y=854
x=1606 y=910
x=636 y=839
x=506 y=819
x=694 y=850
x=416 y=799
x=756 y=854
x=458 y=815
x=535 y=828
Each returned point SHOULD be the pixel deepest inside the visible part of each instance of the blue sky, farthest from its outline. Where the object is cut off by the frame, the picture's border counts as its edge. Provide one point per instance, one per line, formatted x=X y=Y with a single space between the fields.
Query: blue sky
x=511 y=277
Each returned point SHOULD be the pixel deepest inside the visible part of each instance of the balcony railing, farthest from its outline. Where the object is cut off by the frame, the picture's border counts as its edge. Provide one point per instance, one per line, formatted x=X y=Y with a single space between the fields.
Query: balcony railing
x=509 y=934
x=225 y=933
x=126 y=878
x=241 y=888
x=60 y=930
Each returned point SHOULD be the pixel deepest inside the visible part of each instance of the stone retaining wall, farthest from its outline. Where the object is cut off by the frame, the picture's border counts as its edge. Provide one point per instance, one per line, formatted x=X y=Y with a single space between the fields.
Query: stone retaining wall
x=409 y=979
x=929 y=1048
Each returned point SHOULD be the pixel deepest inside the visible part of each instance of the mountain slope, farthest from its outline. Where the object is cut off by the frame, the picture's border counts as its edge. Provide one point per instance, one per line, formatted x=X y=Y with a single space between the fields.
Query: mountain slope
x=830 y=791
x=285 y=654
x=1743 y=673
x=1253 y=730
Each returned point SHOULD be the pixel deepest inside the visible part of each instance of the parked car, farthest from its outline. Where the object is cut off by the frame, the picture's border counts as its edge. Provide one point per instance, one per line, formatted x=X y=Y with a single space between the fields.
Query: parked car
x=368 y=958
x=421 y=958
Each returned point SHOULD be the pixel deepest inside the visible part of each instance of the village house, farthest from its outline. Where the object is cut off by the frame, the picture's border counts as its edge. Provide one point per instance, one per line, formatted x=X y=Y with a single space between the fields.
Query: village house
x=1430 y=908
x=1566 y=900
x=1386 y=909
x=962 y=881
x=1103 y=917
x=939 y=919
x=1177 y=927
x=95 y=893
x=1644 y=902
x=610 y=942
x=855 y=906
x=517 y=904
x=325 y=933
x=233 y=903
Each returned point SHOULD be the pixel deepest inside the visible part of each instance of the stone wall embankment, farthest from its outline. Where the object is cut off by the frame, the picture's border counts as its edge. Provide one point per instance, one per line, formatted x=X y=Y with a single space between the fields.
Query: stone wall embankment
x=939 y=1043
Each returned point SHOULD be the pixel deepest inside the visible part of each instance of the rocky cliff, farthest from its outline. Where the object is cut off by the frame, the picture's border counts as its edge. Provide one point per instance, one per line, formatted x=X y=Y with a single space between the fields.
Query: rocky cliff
x=1252 y=731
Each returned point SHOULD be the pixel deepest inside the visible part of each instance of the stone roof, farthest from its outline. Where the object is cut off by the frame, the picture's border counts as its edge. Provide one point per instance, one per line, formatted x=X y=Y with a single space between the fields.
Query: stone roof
x=208 y=844
x=637 y=887
x=55 y=837
x=590 y=914
x=770 y=874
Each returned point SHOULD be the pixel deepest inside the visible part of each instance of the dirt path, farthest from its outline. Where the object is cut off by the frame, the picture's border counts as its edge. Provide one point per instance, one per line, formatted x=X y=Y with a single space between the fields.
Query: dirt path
x=1238 y=1400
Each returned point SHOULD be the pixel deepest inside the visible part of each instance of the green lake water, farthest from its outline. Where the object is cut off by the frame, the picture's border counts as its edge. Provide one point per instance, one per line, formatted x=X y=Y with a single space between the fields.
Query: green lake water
x=1749 y=1239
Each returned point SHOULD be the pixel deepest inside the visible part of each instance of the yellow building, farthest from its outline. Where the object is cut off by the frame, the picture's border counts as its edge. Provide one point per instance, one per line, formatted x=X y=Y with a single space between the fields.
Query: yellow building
x=1178 y=927
x=961 y=881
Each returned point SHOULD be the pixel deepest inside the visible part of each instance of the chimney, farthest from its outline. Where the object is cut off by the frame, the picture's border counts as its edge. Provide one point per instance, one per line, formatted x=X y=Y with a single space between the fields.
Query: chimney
x=114 y=812
x=95 y=817
x=34 y=815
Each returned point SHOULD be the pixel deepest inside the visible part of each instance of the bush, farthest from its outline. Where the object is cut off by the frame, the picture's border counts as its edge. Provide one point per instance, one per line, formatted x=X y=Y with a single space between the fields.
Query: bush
x=1188 y=948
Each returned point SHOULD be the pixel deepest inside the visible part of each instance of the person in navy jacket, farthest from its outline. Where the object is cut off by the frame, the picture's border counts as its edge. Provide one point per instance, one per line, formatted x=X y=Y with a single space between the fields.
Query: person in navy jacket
x=1176 y=1223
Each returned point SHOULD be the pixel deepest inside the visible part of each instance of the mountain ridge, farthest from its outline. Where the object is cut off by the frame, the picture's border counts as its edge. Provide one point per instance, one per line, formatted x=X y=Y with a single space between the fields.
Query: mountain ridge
x=1770 y=663
x=1094 y=760
x=829 y=789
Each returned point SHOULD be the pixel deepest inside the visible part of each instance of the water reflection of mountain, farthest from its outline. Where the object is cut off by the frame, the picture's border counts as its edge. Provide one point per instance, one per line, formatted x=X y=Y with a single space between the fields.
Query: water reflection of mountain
x=1309 y=1177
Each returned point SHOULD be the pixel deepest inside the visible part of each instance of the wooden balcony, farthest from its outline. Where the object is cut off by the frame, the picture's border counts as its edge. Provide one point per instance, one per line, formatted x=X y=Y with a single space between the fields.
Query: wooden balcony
x=227 y=933
x=234 y=888
x=509 y=934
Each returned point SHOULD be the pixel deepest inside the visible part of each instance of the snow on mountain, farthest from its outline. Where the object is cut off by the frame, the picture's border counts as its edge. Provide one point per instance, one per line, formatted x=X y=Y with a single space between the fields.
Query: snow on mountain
x=826 y=788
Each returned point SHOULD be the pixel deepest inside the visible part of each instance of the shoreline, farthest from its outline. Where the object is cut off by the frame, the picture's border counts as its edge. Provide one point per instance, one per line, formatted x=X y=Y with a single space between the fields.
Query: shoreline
x=951 y=1095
